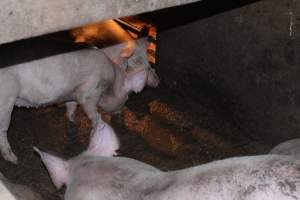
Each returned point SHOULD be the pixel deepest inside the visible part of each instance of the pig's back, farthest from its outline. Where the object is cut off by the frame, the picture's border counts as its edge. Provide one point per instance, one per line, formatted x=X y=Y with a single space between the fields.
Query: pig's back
x=270 y=177
x=45 y=80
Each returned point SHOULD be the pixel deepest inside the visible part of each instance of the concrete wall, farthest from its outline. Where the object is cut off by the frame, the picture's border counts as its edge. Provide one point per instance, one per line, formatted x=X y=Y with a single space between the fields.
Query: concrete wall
x=27 y=18
x=245 y=57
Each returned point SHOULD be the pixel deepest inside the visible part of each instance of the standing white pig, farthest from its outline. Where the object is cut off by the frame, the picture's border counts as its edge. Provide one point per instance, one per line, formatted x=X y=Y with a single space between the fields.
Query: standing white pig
x=118 y=45
x=86 y=76
x=94 y=174
x=12 y=191
x=125 y=56
x=290 y=147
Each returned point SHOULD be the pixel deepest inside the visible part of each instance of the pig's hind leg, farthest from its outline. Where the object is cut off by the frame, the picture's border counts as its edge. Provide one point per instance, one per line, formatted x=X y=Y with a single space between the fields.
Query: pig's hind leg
x=8 y=93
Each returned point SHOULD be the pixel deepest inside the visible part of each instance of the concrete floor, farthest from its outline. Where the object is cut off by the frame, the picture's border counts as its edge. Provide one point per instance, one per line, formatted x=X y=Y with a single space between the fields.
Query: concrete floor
x=156 y=126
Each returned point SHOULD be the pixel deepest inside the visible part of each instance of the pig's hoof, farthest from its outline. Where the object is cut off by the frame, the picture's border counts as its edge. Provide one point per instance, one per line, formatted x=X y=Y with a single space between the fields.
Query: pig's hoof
x=11 y=157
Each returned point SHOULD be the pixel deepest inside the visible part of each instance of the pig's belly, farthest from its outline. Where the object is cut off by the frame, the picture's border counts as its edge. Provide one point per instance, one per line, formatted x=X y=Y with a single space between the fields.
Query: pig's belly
x=43 y=96
x=29 y=103
x=44 y=87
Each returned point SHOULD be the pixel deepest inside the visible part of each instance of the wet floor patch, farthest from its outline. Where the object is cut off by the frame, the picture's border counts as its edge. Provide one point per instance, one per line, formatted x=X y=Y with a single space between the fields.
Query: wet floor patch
x=156 y=127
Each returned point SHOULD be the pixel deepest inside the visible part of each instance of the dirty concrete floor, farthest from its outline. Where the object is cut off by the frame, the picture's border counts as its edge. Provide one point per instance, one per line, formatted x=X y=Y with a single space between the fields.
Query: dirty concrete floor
x=156 y=127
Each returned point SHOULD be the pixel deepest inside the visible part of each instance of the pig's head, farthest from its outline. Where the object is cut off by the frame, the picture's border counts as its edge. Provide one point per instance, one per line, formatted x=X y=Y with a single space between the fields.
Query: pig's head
x=134 y=55
x=103 y=142
x=137 y=56
x=133 y=80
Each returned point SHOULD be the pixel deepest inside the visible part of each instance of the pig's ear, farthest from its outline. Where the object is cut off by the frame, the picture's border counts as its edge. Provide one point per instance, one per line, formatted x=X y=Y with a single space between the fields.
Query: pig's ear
x=58 y=168
x=104 y=141
x=136 y=80
x=127 y=52
x=152 y=78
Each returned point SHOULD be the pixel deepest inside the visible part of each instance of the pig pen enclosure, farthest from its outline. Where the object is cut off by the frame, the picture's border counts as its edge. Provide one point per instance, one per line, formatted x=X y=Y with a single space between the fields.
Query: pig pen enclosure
x=229 y=86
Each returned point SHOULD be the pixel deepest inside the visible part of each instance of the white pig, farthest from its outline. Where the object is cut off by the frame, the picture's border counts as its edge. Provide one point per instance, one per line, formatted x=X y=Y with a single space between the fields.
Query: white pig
x=290 y=147
x=97 y=175
x=133 y=57
x=118 y=46
x=12 y=191
x=86 y=76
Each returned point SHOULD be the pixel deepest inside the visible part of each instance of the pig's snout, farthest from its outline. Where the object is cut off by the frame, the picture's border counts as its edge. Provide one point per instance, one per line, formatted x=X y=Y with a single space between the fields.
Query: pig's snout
x=152 y=79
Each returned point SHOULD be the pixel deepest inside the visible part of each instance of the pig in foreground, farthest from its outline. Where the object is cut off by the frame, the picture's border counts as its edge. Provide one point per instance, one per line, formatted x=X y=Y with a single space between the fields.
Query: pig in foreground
x=118 y=45
x=290 y=147
x=95 y=174
x=87 y=77
x=12 y=191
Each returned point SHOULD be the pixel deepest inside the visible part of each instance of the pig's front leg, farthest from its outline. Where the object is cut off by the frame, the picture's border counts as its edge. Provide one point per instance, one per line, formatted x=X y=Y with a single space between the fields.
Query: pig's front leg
x=71 y=109
x=90 y=101
x=90 y=108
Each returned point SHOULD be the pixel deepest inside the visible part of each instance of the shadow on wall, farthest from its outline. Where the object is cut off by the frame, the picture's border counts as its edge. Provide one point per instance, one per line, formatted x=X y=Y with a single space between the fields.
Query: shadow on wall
x=245 y=59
